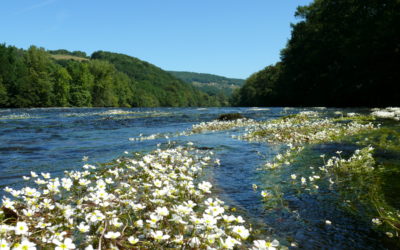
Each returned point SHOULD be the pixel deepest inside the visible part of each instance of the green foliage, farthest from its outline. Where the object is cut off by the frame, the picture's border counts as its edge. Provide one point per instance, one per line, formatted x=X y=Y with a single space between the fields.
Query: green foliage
x=66 y=52
x=219 y=87
x=3 y=94
x=259 y=88
x=341 y=53
x=39 y=78
x=61 y=87
x=161 y=88
x=190 y=77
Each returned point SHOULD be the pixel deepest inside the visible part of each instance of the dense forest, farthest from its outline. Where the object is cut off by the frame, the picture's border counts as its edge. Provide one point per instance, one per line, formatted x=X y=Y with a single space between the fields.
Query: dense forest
x=39 y=78
x=341 y=53
x=219 y=86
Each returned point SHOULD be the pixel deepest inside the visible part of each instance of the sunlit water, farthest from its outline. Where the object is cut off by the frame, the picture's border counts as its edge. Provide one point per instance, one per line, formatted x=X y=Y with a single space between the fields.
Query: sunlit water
x=54 y=140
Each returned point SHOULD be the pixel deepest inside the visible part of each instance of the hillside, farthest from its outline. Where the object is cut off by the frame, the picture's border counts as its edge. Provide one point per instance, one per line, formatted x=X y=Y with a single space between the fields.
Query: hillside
x=60 y=78
x=211 y=84
x=155 y=85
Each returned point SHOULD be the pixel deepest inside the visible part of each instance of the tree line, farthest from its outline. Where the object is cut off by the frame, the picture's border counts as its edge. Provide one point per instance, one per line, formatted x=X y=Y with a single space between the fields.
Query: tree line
x=35 y=78
x=341 y=53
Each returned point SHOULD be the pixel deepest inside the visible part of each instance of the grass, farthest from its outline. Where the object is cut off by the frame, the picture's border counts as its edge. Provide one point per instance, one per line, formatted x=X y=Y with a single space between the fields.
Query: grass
x=69 y=57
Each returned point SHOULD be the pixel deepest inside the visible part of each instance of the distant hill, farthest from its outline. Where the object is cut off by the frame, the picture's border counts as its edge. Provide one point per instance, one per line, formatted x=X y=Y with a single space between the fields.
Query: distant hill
x=211 y=84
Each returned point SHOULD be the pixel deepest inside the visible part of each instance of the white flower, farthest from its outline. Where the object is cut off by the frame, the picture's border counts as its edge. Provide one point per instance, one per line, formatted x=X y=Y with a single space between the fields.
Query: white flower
x=205 y=186
x=159 y=235
x=84 y=182
x=46 y=175
x=116 y=222
x=112 y=235
x=139 y=223
x=83 y=228
x=47 y=204
x=162 y=211
x=21 y=228
x=328 y=222
x=66 y=183
x=28 y=212
x=377 y=221
x=241 y=231
x=4 y=245
x=25 y=245
x=5 y=228
x=67 y=244
x=178 y=239
x=265 y=245
x=293 y=176
x=265 y=194
x=229 y=242
x=217 y=210
x=133 y=240
x=389 y=234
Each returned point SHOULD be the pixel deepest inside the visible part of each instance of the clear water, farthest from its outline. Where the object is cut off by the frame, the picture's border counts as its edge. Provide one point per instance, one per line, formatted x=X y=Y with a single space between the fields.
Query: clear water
x=54 y=140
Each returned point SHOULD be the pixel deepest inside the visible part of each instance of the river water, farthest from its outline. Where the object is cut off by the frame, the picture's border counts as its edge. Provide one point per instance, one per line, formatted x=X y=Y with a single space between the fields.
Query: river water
x=56 y=139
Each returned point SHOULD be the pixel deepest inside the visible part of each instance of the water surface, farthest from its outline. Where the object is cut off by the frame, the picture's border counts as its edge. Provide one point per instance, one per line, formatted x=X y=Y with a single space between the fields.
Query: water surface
x=55 y=139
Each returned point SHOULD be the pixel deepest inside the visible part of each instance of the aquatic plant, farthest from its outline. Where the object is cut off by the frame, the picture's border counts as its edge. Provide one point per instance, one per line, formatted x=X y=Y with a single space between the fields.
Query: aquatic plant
x=301 y=128
x=150 y=201
x=390 y=112
x=221 y=125
x=357 y=179
x=285 y=158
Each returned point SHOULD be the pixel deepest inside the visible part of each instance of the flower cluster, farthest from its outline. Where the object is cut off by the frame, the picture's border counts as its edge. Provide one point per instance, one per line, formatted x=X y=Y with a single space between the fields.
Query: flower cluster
x=303 y=128
x=285 y=158
x=150 y=202
x=222 y=125
x=390 y=112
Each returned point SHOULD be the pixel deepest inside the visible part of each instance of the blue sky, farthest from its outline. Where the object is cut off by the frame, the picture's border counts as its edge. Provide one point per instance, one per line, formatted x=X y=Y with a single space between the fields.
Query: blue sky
x=233 y=38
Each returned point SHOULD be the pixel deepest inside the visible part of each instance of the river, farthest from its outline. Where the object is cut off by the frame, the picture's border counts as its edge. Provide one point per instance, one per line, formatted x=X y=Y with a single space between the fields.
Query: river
x=56 y=139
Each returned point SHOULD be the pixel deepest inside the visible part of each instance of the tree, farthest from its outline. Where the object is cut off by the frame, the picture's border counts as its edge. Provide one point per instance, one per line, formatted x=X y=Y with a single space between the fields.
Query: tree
x=81 y=83
x=341 y=53
x=61 y=87
x=36 y=89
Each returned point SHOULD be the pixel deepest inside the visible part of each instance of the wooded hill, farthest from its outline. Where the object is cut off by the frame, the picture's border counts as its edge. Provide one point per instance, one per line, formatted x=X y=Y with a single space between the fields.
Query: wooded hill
x=214 y=85
x=40 y=78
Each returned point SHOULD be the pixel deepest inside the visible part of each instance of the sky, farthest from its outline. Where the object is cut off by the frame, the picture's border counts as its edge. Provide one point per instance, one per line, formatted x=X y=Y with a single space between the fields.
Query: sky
x=232 y=38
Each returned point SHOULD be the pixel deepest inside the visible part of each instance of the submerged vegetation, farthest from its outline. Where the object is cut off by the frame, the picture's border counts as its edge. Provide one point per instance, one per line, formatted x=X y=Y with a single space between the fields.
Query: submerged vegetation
x=359 y=180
